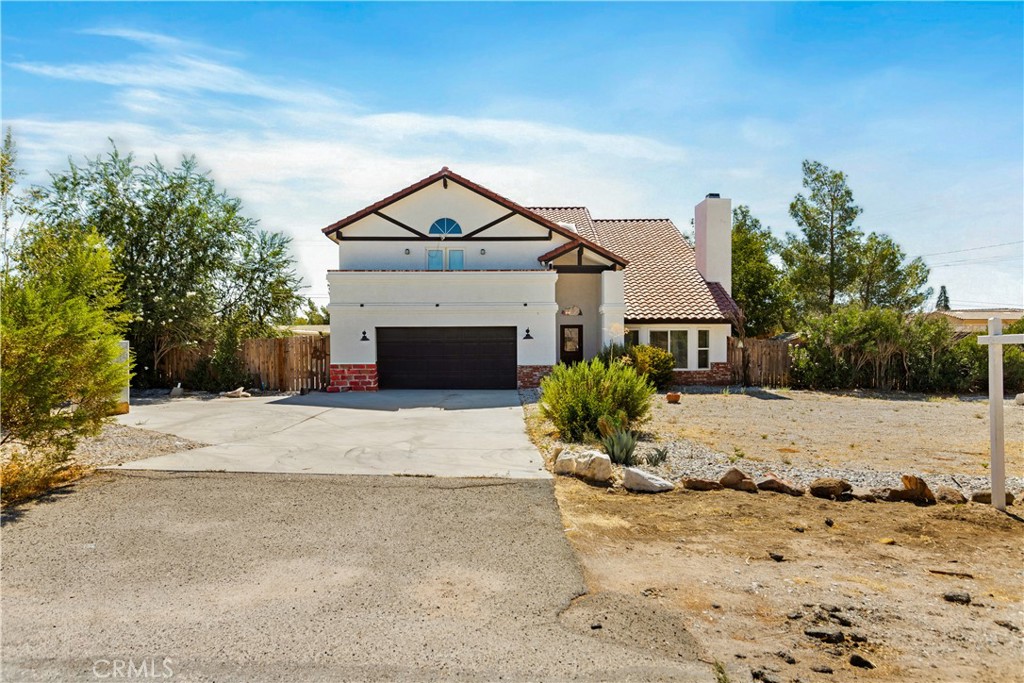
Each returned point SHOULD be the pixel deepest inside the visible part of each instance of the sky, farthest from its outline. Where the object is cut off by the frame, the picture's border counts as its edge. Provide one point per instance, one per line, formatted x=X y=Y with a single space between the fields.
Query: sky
x=309 y=112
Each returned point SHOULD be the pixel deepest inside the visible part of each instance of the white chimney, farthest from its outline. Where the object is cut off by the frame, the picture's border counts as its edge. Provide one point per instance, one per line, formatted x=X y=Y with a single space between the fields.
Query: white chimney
x=713 y=235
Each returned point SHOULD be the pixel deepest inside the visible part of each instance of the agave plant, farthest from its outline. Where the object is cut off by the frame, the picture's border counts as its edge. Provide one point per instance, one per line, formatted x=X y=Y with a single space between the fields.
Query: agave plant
x=620 y=445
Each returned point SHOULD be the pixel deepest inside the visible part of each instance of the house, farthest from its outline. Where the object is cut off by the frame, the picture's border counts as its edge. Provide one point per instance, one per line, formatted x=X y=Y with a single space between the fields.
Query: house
x=970 y=320
x=446 y=284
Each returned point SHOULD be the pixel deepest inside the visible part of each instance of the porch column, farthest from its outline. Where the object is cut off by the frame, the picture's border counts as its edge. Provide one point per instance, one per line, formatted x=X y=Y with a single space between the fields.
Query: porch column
x=612 y=311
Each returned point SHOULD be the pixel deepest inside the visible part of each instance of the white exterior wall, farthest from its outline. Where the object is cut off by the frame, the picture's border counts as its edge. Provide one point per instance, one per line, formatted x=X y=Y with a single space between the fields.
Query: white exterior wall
x=390 y=255
x=583 y=290
x=613 y=307
x=718 y=338
x=712 y=223
x=365 y=301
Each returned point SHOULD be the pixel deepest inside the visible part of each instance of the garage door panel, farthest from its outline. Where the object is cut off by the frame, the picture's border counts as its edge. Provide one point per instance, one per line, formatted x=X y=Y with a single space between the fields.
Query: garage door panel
x=446 y=357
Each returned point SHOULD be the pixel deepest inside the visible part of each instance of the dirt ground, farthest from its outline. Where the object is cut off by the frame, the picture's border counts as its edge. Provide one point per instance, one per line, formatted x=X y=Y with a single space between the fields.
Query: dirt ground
x=878 y=574
x=881 y=432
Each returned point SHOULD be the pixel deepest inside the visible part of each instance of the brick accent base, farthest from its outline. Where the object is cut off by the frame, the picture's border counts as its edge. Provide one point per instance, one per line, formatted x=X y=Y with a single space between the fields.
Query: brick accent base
x=717 y=374
x=353 y=377
x=529 y=376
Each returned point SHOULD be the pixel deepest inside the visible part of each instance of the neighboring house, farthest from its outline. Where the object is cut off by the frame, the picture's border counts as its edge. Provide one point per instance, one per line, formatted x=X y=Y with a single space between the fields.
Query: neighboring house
x=969 y=320
x=446 y=284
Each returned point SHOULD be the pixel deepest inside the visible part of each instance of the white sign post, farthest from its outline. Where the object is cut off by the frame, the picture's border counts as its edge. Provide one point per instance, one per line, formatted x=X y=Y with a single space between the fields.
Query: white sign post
x=997 y=465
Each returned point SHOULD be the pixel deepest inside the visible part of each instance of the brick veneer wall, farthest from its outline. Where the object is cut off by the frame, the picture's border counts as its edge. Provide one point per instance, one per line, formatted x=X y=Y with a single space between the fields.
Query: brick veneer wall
x=718 y=373
x=529 y=376
x=353 y=377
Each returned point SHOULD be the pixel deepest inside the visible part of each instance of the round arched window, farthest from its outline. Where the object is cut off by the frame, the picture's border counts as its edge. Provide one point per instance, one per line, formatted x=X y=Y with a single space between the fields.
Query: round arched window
x=445 y=226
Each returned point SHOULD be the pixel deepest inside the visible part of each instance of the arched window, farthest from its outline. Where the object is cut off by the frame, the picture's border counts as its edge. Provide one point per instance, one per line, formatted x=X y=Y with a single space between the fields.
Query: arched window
x=445 y=226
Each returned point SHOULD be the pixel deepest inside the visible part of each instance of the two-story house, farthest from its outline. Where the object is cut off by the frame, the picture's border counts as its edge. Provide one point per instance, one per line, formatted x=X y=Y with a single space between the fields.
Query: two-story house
x=446 y=284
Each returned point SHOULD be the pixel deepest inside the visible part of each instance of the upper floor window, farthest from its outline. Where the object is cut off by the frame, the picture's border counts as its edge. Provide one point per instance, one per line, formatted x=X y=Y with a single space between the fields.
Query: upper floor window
x=445 y=226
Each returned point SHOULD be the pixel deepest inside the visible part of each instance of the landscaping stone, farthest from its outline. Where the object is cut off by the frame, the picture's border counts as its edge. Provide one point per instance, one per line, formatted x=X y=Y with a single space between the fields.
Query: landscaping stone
x=949 y=495
x=177 y=392
x=738 y=480
x=863 y=494
x=240 y=392
x=777 y=485
x=986 y=497
x=916 y=491
x=822 y=669
x=636 y=480
x=565 y=463
x=829 y=487
x=594 y=466
x=1019 y=400
x=701 y=484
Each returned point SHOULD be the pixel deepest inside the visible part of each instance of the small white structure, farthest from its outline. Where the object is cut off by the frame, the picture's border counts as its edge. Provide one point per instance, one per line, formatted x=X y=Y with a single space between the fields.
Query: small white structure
x=997 y=465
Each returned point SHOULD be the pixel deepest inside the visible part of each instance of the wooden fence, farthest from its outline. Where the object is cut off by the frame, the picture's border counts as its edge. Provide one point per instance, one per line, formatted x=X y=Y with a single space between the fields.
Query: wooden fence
x=760 y=362
x=281 y=364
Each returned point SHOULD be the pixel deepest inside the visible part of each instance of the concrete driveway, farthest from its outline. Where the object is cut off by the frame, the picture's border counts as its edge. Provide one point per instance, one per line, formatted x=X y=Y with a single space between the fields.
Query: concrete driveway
x=251 y=577
x=437 y=433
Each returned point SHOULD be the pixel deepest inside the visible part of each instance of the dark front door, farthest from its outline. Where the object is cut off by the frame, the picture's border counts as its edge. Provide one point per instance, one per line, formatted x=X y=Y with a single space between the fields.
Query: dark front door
x=446 y=357
x=572 y=344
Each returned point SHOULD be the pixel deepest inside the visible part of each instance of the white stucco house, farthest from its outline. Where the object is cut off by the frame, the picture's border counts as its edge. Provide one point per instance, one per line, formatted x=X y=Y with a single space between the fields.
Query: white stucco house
x=446 y=284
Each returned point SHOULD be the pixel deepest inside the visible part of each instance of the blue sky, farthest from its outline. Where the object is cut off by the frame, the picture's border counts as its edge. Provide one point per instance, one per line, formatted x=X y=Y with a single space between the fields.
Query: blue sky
x=311 y=111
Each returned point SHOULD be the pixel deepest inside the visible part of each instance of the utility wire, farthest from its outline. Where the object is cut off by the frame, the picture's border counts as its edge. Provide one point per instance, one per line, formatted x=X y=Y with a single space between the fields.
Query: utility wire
x=959 y=251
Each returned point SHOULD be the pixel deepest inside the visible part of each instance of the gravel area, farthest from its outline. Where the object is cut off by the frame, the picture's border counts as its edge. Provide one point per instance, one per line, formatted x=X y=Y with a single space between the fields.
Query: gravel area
x=688 y=458
x=120 y=443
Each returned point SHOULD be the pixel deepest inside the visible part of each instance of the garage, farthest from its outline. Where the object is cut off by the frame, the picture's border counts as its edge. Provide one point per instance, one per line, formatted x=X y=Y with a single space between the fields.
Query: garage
x=446 y=357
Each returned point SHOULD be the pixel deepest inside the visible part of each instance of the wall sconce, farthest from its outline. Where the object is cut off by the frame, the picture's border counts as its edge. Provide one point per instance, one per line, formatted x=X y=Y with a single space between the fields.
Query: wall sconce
x=527 y=335
x=407 y=252
x=483 y=251
x=364 y=337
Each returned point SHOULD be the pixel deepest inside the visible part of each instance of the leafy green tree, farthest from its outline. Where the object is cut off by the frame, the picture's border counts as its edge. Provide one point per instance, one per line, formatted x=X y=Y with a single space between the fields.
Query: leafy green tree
x=822 y=262
x=9 y=174
x=187 y=255
x=942 y=302
x=885 y=277
x=313 y=315
x=757 y=283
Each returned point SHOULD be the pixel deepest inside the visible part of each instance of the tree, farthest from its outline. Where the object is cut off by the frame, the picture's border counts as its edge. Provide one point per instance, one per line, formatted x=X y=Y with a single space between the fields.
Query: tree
x=885 y=278
x=313 y=315
x=822 y=261
x=179 y=244
x=757 y=283
x=942 y=302
x=9 y=174
x=59 y=330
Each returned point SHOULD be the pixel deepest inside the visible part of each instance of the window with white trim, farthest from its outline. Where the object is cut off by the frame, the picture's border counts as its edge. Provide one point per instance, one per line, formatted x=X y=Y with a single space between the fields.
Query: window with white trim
x=675 y=342
x=703 y=349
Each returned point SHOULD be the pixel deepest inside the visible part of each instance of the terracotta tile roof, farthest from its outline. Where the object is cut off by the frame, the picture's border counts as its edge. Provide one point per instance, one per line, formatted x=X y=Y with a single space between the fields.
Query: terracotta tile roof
x=662 y=283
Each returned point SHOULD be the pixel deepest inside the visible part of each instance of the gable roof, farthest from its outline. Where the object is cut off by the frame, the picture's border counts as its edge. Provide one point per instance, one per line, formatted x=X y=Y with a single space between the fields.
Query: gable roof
x=445 y=175
x=662 y=283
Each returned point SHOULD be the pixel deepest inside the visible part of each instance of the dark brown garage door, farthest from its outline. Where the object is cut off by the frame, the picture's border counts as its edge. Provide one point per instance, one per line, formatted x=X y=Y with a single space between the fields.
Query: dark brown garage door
x=446 y=357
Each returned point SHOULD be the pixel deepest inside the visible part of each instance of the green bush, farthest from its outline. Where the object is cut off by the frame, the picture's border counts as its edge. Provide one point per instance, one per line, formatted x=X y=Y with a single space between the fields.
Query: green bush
x=656 y=364
x=224 y=369
x=575 y=397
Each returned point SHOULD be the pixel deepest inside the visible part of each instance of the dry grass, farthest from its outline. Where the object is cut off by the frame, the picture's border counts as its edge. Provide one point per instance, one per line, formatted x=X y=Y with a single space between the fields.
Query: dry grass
x=24 y=477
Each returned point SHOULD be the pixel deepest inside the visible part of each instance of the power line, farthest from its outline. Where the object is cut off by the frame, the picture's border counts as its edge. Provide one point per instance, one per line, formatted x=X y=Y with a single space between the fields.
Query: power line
x=959 y=251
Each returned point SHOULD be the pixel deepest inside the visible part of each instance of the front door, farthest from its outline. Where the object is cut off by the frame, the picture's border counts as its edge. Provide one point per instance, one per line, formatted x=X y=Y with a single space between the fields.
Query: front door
x=572 y=344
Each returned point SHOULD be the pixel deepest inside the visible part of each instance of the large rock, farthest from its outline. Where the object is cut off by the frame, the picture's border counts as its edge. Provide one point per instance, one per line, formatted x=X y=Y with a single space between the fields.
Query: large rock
x=1019 y=400
x=829 y=487
x=774 y=483
x=949 y=495
x=634 y=479
x=565 y=463
x=986 y=497
x=916 y=491
x=701 y=485
x=738 y=480
x=860 y=493
x=594 y=466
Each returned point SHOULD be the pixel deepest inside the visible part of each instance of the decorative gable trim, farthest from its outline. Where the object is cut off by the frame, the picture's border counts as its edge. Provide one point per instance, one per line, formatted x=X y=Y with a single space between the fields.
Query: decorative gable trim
x=445 y=175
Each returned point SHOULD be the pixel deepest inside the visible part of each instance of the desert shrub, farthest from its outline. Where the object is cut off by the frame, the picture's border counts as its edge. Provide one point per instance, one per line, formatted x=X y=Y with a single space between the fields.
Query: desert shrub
x=654 y=363
x=620 y=445
x=657 y=456
x=223 y=369
x=575 y=397
x=59 y=330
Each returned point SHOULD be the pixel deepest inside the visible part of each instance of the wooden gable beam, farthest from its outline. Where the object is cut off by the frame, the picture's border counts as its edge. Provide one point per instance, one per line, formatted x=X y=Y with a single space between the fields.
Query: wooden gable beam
x=400 y=224
x=470 y=235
